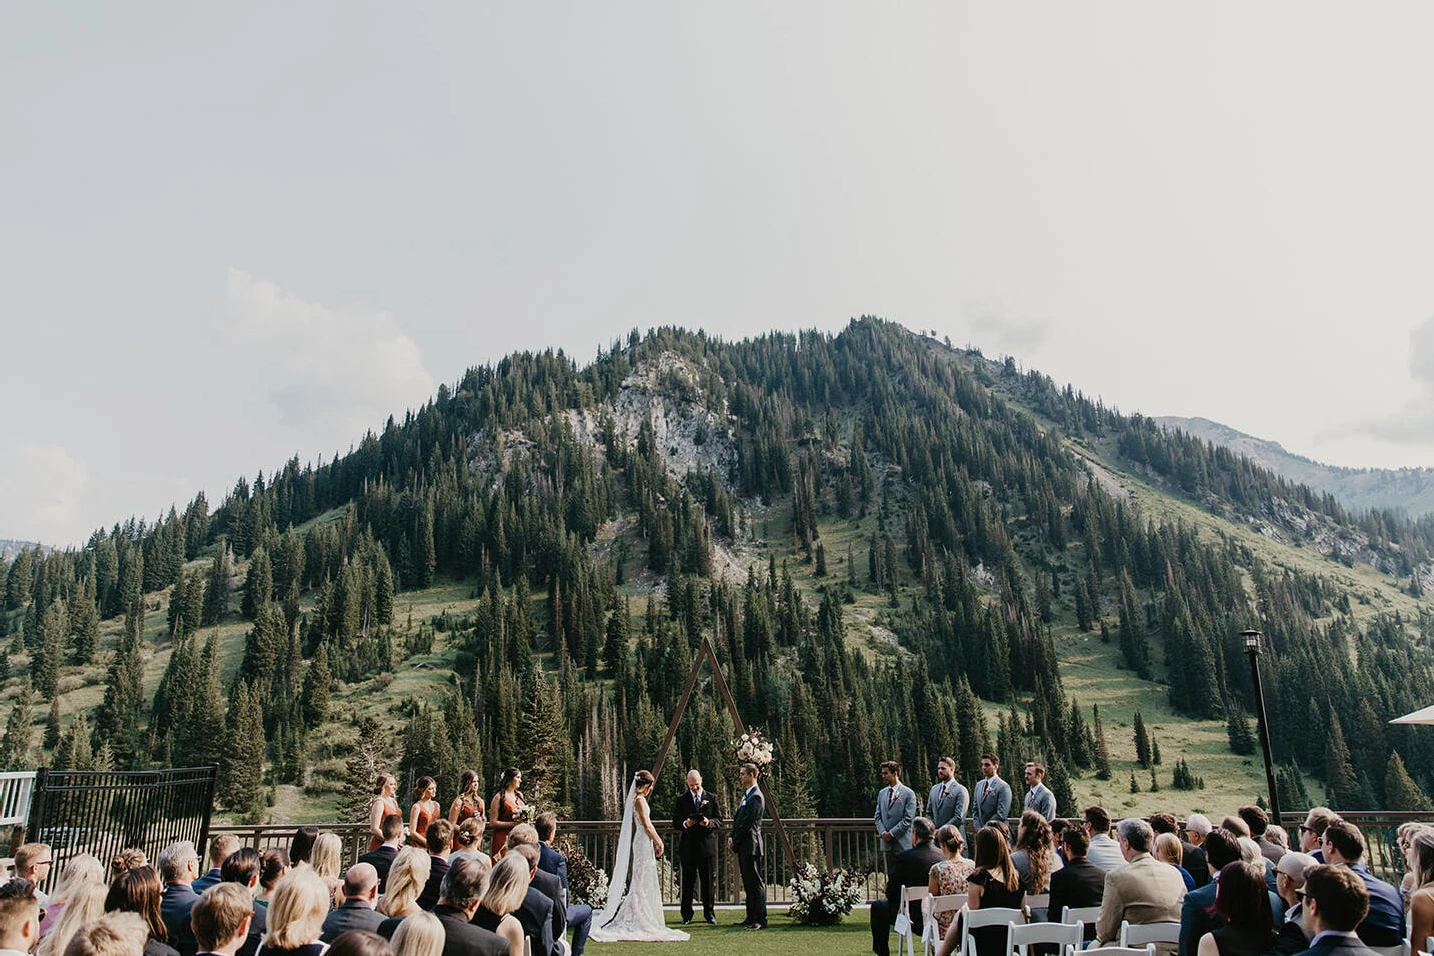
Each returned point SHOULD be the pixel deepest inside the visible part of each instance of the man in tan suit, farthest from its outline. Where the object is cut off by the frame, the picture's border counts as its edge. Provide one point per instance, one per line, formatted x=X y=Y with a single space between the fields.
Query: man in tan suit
x=1144 y=890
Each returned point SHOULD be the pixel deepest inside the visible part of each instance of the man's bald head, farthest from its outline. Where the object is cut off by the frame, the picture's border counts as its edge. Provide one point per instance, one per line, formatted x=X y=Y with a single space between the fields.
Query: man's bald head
x=360 y=881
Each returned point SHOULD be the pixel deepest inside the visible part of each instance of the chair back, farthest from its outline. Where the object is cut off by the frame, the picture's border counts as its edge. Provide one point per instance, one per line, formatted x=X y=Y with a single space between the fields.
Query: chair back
x=1020 y=938
x=907 y=941
x=1149 y=950
x=989 y=916
x=1080 y=914
x=1037 y=901
x=935 y=906
x=1138 y=934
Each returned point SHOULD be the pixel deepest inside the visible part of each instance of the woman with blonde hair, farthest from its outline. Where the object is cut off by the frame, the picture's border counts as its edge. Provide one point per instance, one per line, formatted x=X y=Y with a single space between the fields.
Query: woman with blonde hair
x=384 y=804
x=296 y=916
x=468 y=840
x=406 y=878
x=1168 y=849
x=507 y=888
x=327 y=858
x=1419 y=854
x=420 y=934
x=83 y=870
x=84 y=903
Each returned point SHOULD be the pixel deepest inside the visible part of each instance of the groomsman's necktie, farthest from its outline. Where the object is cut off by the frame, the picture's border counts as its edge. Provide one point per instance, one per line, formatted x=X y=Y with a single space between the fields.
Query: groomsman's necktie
x=890 y=796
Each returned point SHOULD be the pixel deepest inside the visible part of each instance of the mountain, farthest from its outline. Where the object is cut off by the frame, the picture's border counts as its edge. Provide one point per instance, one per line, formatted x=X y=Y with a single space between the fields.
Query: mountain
x=897 y=549
x=9 y=547
x=1410 y=490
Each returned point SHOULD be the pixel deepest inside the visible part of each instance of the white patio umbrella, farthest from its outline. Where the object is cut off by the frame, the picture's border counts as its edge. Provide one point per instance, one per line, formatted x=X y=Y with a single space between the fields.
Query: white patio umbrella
x=1425 y=716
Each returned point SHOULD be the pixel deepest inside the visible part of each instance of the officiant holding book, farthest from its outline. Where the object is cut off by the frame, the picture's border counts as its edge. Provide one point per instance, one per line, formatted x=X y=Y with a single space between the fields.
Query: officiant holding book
x=696 y=818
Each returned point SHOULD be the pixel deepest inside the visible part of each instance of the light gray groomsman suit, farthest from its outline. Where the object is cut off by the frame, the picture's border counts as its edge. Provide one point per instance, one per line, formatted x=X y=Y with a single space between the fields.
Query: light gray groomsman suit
x=948 y=803
x=1040 y=799
x=992 y=801
x=895 y=809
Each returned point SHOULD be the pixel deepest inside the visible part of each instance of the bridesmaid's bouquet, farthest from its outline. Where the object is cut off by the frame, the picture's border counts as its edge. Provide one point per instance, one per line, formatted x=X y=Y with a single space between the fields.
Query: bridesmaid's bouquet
x=823 y=899
x=752 y=747
x=526 y=814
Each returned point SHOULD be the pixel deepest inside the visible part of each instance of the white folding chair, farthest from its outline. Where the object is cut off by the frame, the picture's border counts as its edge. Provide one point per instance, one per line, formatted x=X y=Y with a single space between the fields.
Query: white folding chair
x=1080 y=914
x=1138 y=934
x=994 y=916
x=1149 y=950
x=906 y=942
x=527 y=946
x=935 y=906
x=1037 y=901
x=1020 y=938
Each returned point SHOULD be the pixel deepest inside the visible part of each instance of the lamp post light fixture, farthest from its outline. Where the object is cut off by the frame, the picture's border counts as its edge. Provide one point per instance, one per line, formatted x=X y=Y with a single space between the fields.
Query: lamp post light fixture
x=1252 y=647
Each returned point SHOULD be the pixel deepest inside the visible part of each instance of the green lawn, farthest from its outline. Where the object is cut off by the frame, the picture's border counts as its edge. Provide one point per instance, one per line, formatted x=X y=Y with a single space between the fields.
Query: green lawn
x=781 y=936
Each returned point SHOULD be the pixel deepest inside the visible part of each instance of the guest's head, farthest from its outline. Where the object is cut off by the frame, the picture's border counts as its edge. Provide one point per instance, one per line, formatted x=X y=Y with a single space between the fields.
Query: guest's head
x=1343 y=843
x=508 y=885
x=1420 y=856
x=522 y=834
x=391 y=827
x=530 y=854
x=1250 y=850
x=419 y=935
x=139 y=891
x=1312 y=830
x=296 y=915
x=469 y=834
x=547 y=824
x=302 y=846
x=1236 y=826
x=242 y=867
x=129 y=858
x=273 y=864
x=1097 y=821
x=33 y=862
x=439 y=837
x=361 y=883
x=1197 y=827
x=327 y=856
x=1163 y=823
x=1290 y=875
x=922 y=830
x=20 y=915
x=1255 y=818
x=948 y=838
x=1075 y=841
x=85 y=904
x=220 y=847
x=407 y=876
x=360 y=942
x=1335 y=899
x=1135 y=836
x=114 y=934
x=1221 y=849
x=221 y=915
x=993 y=854
x=465 y=883
x=1242 y=897
x=1167 y=849
x=1278 y=836
x=82 y=870
x=179 y=863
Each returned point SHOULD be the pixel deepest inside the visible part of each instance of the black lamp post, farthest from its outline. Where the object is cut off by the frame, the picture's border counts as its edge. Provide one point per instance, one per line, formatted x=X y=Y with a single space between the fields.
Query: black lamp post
x=1252 y=647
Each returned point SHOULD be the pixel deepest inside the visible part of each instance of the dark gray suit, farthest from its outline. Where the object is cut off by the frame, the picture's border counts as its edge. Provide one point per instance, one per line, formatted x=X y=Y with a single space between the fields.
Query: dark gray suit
x=746 y=840
x=462 y=938
x=354 y=914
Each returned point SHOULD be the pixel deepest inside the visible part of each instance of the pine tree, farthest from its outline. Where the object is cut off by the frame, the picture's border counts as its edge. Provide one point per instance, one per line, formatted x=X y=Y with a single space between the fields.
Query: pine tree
x=368 y=757
x=317 y=684
x=1237 y=728
x=1134 y=787
x=1400 y=790
x=219 y=590
x=258 y=584
x=15 y=745
x=1102 y=752
x=52 y=725
x=1142 y=742
x=241 y=766
x=117 y=720
x=1291 y=786
x=1339 y=778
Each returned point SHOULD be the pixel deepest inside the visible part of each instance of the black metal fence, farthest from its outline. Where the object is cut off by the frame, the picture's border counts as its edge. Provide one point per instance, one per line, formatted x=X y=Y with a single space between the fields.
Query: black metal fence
x=103 y=812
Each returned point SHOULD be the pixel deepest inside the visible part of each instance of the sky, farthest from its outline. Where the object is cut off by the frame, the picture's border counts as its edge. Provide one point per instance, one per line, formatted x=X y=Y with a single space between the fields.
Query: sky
x=235 y=233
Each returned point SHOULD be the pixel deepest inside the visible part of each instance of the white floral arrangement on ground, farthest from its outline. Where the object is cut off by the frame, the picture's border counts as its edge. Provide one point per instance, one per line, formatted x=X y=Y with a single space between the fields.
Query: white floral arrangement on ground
x=751 y=747
x=823 y=899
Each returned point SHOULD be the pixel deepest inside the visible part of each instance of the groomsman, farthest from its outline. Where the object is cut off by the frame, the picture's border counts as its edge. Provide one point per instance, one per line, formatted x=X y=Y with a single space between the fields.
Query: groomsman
x=992 y=795
x=745 y=839
x=695 y=819
x=895 y=809
x=1038 y=796
x=949 y=800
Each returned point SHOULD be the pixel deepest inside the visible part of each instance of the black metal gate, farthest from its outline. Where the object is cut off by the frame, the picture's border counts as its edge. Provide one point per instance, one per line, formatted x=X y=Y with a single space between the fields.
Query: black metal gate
x=103 y=812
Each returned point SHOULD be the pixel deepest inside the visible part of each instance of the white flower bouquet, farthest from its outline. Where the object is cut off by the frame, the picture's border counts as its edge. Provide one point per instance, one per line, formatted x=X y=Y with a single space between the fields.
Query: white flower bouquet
x=752 y=747
x=823 y=899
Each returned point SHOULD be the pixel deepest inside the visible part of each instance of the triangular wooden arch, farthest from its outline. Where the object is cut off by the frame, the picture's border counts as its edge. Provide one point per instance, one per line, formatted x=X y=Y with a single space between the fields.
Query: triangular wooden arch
x=705 y=650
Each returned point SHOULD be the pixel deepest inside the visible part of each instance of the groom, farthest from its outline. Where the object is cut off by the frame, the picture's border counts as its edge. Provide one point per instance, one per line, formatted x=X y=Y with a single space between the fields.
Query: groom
x=746 y=841
x=695 y=819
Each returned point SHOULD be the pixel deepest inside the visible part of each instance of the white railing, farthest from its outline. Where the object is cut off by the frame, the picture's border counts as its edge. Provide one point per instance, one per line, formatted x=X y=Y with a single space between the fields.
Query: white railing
x=16 y=789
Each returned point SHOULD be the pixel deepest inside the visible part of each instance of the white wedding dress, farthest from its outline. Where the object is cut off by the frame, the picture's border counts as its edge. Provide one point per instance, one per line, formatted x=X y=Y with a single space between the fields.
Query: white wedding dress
x=634 y=897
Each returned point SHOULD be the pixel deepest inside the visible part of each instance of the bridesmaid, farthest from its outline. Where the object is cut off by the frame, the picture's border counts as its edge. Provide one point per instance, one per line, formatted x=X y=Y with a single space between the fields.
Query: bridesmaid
x=503 y=814
x=468 y=803
x=384 y=804
x=424 y=811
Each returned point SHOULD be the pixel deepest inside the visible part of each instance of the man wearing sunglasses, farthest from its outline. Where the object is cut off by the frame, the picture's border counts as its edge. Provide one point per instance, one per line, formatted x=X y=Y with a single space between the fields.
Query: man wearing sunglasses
x=19 y=917
x=33 y=862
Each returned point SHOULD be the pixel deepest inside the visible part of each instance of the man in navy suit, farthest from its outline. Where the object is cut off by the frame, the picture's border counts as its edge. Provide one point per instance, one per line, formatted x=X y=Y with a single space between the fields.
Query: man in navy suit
x=382 y=858
x=545 y=896
x=439 y=839
x=179 y=867
x=695 y=818
x=1336 y=901
x=1197 y=913
x=580 y=915
x=219 y=849
x=463 y=890
x=1384 y=924
x=745 y=840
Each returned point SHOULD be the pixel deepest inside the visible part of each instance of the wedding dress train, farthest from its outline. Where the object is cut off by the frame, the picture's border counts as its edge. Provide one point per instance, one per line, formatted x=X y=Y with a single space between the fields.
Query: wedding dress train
x=634 y=900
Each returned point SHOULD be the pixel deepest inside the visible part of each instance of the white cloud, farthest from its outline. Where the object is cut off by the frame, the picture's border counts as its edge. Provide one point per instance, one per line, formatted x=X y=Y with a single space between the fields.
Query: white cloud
x=42 y=488
x=329 y=373
x=1413 y=424
x=996 y=329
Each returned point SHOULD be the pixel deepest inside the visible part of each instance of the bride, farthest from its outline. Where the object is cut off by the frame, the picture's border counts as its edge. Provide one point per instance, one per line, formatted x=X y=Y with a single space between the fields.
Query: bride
x=634 y=904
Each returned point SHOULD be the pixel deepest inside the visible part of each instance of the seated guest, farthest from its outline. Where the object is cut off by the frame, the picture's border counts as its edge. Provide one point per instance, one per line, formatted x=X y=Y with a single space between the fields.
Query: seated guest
x=1167 y=849
x=1104 y=852
x=463 y=890
x=910 y=867
x=994 y=884
x=220 y=919
x=179 y=868
x=1244 y=904
x=326 y=858
x=406 y=881
x=437 y=841
x=360 y=942
x=542 y=914
x=138 y=891
x=219 y=849
x=302 y=846
x=20 y=916
x=1336 y=901
x=33 y=862
x=381 y=857
x=1419 y=854
x=357 y=911
x=1312 y=831
x=130 y=858
x=419 y=935
x=1384 y=924
x=83 y=870
x=84 y=904
x=1192 y=858
x=242 y=867
x=273 y=864
x=948 y=876
x=1080 y=883
x=1259 y=823
x=507 y=888
x=1142 y=891
x=296 y=916
x=114 y=934
x=579 y=915
x=1279 y=836
x=1198 y=915
x=1290 y=931
x=468 y=841
x=1197 y=827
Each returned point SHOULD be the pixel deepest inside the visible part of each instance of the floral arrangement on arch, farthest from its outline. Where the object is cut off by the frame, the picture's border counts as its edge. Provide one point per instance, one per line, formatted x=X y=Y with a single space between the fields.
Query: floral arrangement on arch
x=823 y=899
x=752 y=747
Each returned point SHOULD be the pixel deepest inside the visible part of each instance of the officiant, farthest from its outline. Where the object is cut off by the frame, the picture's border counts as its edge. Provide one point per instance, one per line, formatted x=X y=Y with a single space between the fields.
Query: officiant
x=696 y=818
